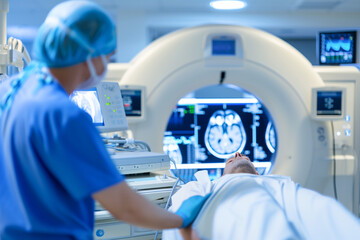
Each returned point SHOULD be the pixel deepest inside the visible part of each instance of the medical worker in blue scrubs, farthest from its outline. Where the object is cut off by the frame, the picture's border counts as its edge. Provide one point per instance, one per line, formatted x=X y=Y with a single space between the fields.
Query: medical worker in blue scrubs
x=53 y=163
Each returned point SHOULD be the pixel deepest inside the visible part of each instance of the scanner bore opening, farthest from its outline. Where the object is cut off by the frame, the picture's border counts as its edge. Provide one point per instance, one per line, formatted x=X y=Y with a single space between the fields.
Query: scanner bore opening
x=210 y=124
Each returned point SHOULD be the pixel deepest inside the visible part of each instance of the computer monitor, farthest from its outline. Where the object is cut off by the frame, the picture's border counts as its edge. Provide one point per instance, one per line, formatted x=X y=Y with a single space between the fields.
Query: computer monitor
x=88 y=100
x=104 y=104
x=337 y=48
x=134 y=102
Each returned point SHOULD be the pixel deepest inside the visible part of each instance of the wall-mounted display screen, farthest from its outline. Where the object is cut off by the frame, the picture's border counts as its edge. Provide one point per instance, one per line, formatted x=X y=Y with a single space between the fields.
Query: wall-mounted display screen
x=337 y=48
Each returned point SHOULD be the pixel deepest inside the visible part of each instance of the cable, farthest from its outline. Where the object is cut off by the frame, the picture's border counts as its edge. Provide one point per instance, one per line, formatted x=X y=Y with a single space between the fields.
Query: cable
x=17 y=45
x=222 y=77
x=334 y=161
x=356 y=189
x=143 y=143
x=27 y=57
x=168 y=201
x=129 y=141
x=119 y=141
x=172 y=190
x=177 y=175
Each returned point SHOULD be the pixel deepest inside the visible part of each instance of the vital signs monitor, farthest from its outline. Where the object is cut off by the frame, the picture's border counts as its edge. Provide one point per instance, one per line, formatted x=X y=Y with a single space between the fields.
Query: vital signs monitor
x=134 y=102
x=337 y=48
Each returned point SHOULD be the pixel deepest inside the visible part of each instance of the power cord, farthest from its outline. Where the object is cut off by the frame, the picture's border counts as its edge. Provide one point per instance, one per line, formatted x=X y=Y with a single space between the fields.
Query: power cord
x=168 y=202
x=222 y=77
x=177 y=173
x=334 y=161
x=129 y=141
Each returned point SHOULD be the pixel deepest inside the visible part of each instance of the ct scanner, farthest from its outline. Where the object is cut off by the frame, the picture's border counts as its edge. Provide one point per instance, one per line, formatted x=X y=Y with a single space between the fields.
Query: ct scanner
x=279 y=76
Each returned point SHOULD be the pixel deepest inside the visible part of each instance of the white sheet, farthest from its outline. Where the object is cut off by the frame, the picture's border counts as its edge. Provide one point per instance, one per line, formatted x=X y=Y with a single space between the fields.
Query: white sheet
x=245 y=206
x=202 y=186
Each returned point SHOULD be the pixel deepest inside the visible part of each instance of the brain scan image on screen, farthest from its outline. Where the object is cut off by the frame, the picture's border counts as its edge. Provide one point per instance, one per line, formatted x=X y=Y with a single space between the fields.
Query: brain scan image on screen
x=225 y=134
x=89 y=102
x=270 y=137
x=172 y=149
x=212 y=123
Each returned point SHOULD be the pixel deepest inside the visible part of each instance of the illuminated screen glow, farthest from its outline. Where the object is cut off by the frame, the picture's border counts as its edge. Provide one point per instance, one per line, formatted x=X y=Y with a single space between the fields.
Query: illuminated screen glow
x=88 y=101
x=329 y=103
x=132 y=102
x=223 y=47
x=207 y=133
x=337 y=48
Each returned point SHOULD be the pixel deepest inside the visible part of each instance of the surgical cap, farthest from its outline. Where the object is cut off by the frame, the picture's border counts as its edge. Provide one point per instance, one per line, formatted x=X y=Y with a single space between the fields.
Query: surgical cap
x=72 y=32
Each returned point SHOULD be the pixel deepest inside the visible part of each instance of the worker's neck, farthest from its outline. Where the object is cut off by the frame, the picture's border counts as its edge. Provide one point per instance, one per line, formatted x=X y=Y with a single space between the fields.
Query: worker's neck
x=69 y=77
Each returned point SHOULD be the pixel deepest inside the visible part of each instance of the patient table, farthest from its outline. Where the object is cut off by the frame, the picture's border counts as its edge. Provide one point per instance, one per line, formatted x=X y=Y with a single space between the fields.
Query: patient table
x=246 y=206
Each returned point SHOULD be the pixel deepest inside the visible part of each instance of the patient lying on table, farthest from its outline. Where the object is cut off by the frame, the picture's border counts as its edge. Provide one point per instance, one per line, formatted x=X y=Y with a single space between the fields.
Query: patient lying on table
x=244 y=205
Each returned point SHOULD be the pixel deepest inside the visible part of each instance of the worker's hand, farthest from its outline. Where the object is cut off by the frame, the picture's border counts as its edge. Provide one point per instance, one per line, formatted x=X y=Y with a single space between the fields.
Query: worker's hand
x=190 y=208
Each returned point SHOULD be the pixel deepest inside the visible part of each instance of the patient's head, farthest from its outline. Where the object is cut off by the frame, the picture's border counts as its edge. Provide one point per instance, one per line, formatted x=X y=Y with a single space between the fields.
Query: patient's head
x=239 y=164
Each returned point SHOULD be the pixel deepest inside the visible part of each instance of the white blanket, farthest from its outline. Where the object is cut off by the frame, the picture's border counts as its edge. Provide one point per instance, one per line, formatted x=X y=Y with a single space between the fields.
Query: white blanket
x=245 y=206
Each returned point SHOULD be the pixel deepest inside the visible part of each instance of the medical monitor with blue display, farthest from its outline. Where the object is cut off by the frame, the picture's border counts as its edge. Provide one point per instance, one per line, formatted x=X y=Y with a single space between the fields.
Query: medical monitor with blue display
x=328 y=103
x=104 y=104
x=223 y=47
x=337 y=48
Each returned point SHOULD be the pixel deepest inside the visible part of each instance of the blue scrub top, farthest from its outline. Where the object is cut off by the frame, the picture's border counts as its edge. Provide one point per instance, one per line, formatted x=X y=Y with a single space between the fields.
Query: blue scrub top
x=51 y=161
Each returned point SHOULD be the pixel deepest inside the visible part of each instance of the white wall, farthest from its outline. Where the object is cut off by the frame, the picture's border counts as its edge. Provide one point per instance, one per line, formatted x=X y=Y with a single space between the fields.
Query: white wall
x=134 y=26
x=299 y=27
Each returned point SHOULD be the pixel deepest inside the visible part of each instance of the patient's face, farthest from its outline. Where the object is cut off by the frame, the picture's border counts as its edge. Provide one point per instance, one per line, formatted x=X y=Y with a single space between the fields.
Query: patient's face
x=231 y=165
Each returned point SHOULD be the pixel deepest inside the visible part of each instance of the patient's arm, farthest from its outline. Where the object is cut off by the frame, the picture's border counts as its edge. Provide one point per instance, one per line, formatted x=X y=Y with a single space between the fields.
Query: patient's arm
x=189 y=233
x=186 y=232
x=194 y=235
